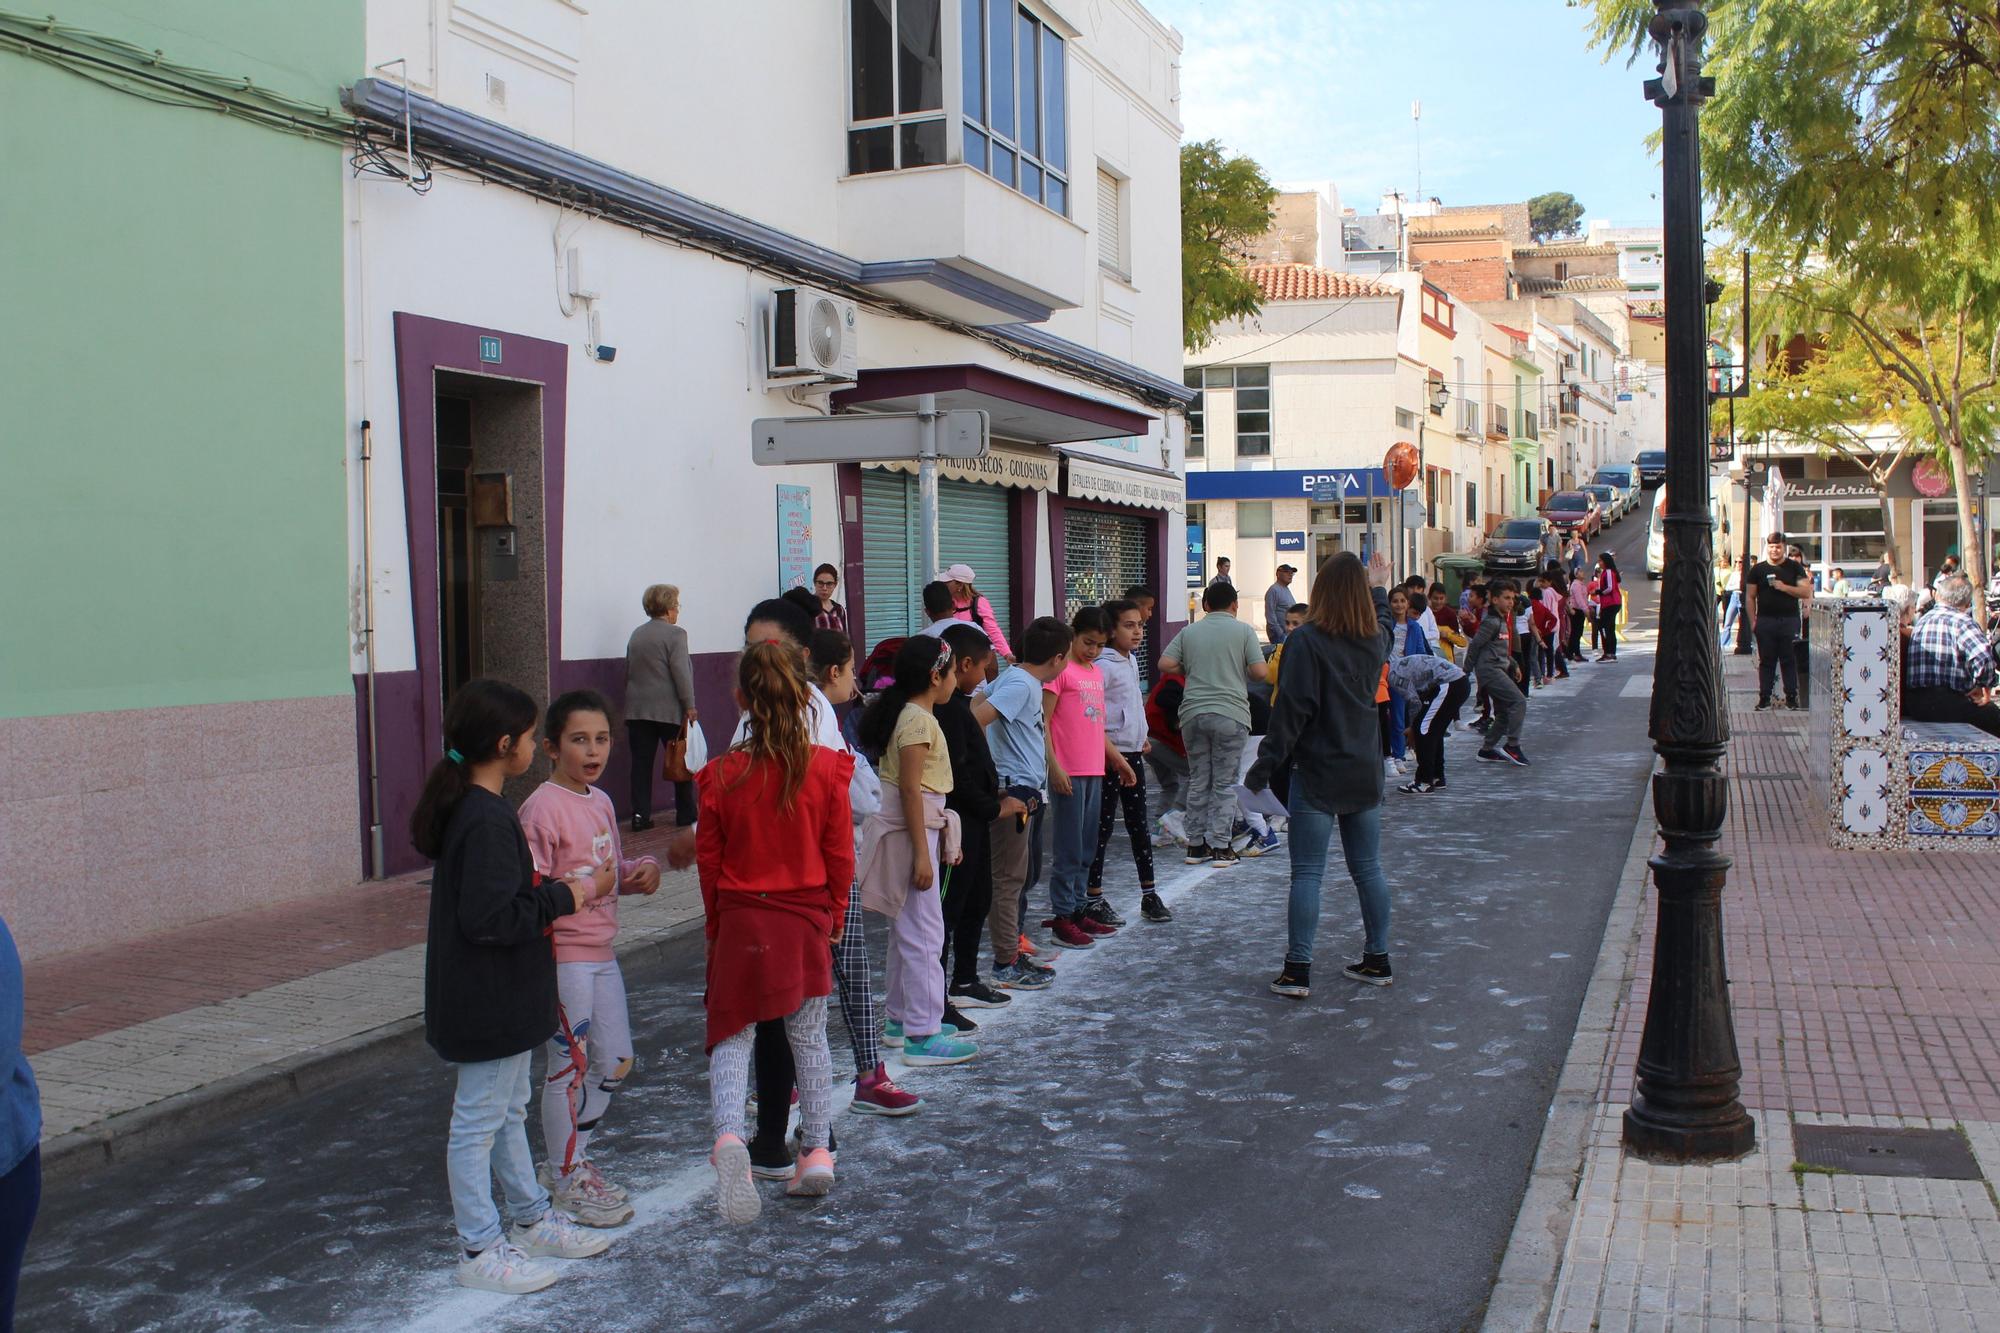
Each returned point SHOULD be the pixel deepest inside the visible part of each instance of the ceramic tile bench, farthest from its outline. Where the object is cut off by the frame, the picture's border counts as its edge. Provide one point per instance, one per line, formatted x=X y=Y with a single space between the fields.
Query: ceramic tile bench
x=1890 y=783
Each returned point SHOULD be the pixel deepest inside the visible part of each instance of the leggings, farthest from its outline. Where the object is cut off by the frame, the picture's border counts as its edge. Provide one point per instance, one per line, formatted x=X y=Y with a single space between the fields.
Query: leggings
x=968 y=897
x=1133 y=800
x=20 y=1199
x=854 y=986
x=1607 y=629
x=729 y=1075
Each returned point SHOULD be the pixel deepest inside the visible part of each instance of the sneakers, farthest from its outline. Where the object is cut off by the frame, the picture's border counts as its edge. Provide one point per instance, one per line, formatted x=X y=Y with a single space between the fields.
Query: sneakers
x=1240 y=836
x=892 y=1032
x=589 y=1168
x=1294 y=981
x=1020 y=975
x=1069 y=935
x=770 y=1160
x=735 y=1193
x=1090 y=925
x=1102 y=912
x=1438 y=785
x=586 y=1196
x=1025 y=947
x=1152 y=909
x=640 y=823
x=1763 y=705
x=506 y=1269
x=1514 y=755
x=1224 y=859
x=1372 y=970
x=1492 y=756
x=814 y=1176
x=556 y=1236
x=976 y=994
x=942 y=1048
x=1174 y=825
x=876 y=1094
x=1390 y=769
x=1416 y=788
x=1257 y=846
x=1198 y=854
x=954 y=1019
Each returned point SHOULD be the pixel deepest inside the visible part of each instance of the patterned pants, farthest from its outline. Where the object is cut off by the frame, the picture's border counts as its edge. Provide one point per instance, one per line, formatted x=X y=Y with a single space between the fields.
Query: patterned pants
x=729 y=1074
x=1133 y=801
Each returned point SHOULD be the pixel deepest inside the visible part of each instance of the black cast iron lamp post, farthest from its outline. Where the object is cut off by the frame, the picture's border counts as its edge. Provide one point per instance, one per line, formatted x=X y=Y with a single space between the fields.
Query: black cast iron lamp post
x=1685 y=1107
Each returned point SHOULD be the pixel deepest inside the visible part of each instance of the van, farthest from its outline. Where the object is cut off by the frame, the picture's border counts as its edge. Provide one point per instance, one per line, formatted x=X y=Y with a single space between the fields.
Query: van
x=1652 y=466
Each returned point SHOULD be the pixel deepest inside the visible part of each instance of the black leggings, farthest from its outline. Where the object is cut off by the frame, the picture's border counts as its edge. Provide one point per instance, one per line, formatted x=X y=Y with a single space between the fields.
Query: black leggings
x=1133 y=800
x=968 y=897
x=1607 y=629
x=20 y=1199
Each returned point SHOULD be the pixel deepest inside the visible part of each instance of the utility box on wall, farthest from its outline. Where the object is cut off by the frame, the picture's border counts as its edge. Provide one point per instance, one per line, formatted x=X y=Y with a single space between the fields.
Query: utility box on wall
x=499 y=555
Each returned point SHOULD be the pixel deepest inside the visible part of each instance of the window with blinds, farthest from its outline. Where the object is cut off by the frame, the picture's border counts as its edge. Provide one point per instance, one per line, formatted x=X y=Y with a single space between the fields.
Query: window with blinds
x=1111 y=223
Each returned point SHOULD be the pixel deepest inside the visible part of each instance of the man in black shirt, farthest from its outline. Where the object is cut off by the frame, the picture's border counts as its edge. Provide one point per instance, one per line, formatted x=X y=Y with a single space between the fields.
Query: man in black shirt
x=1772 y=593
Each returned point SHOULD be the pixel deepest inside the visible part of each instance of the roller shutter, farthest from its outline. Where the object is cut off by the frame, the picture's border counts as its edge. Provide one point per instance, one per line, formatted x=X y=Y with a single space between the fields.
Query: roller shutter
x=972 y=530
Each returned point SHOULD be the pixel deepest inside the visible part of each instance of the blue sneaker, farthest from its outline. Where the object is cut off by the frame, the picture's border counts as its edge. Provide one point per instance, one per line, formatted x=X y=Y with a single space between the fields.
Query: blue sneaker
x=892 y=1033
x=1019 y=976
x=941 y=1048
x=1258 y=846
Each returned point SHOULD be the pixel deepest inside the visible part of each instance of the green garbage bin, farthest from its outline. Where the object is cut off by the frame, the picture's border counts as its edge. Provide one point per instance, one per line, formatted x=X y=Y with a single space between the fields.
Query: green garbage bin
x=1455 y=570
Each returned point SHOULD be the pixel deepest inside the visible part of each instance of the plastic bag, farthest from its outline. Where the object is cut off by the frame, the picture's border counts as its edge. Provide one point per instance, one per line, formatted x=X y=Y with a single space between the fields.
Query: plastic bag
x=864 y=790
x=697 y=749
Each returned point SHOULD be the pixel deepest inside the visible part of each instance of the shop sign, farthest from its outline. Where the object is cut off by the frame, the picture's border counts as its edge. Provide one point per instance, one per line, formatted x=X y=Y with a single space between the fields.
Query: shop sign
x=1000 y=467
x=795 y=536
x=1197 y=554
x=1286 y=484
x=1123 y=485
x=1841 y=488
x=1291 y=541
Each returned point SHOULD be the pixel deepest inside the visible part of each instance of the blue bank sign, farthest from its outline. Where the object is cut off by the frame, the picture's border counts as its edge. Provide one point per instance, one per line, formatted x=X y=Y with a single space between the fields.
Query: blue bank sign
x=1286 y=484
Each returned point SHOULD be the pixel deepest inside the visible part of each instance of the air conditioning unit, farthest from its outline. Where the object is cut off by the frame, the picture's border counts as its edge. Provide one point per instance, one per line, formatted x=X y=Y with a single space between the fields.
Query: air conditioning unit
x=813 y=335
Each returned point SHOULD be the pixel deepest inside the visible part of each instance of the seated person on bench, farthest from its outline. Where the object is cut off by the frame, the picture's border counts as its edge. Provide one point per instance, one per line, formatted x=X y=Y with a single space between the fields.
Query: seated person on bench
x=1948 y=675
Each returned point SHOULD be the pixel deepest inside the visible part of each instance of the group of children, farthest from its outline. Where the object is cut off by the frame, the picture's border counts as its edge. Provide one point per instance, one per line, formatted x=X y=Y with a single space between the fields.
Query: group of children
x=971 y=757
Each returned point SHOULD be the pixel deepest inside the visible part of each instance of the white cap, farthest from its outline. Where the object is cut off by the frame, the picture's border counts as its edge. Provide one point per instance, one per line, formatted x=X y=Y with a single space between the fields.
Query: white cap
x=956 y=574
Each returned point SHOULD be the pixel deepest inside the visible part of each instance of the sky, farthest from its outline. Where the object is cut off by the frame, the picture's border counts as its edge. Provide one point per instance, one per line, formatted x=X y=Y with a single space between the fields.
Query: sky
x=1515 y=100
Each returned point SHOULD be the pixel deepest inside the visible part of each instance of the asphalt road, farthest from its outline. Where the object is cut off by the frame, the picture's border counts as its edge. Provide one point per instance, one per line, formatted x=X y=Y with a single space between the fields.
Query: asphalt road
x=1156 y=1142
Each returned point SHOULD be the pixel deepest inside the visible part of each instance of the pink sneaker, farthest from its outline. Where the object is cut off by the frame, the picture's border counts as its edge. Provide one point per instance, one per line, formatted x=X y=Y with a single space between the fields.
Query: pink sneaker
x=735 y=1192
x=813 y=1176
x=876 y=1094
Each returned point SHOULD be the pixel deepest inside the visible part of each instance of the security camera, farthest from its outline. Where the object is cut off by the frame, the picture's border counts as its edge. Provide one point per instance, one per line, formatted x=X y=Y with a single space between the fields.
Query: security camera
x=603 y=353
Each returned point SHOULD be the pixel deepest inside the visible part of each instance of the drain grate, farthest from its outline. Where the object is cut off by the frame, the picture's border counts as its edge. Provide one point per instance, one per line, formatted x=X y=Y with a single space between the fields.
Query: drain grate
x=1935 y=1154
x=1770 y=777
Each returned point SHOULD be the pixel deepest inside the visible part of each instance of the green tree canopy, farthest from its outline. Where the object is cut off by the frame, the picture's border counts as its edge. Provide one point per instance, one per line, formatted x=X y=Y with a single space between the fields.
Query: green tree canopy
x=1553 y=215
x=1225 y=204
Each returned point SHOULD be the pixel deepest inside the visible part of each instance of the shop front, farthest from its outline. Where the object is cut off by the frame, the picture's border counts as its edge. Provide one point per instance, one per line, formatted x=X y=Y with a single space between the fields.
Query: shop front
x=1111 y=534
x=1291 y=516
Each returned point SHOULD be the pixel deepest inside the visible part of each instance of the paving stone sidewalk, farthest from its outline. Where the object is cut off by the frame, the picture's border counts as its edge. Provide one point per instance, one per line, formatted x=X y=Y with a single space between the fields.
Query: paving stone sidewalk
x=125 y=1039
x=1866 y=992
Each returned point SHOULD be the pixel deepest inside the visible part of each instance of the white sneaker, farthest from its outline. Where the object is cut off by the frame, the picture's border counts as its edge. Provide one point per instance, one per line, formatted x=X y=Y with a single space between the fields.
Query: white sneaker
x=1389 y=769
x=1175 y=824
x=546 y=1173
x=586 y=1196
x=557 y=1236
x=503 y=1268
x=735 y=1193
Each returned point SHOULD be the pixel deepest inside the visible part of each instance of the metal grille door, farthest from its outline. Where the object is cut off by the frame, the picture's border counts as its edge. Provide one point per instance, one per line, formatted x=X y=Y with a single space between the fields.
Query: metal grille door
x=1103 y=555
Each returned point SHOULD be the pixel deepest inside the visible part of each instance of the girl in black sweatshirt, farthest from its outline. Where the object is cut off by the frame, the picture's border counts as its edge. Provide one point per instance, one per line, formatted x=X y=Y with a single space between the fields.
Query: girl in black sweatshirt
x=490 y=985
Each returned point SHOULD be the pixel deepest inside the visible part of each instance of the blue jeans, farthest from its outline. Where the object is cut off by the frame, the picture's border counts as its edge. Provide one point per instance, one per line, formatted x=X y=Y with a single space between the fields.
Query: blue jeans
x=1399 y=721
x=1731 y=616
x=489 y=1137
x=1075 y=843
x=1361 y=846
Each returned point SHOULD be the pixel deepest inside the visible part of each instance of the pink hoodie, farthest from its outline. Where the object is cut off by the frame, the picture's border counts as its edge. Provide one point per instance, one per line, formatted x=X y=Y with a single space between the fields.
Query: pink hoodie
x=570 y=832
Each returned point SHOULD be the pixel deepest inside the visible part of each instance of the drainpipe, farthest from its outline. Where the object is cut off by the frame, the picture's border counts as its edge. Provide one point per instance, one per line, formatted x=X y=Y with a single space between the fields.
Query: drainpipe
x=375 y=858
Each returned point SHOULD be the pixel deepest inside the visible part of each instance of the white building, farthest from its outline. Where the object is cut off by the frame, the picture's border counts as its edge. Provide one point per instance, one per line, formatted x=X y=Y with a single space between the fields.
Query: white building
x=561 y=343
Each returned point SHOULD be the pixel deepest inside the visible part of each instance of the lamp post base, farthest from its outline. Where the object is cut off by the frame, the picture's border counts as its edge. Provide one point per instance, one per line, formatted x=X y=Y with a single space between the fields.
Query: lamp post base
x=1681 y=1138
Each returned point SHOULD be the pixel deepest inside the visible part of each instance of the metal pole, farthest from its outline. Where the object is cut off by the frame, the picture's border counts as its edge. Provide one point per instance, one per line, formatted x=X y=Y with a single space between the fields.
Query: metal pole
x=1685 y=1105
x=1369 y=553
x=1743 y=647
x=927 y=484
x=377 y=868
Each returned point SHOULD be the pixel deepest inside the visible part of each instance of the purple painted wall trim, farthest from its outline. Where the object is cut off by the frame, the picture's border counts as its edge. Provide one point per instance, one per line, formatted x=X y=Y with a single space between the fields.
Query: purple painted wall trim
x=398 y=695
x=848 y=483
x=1021 y=558
x=425 y=346
x=1060 y=507
x=876 y=385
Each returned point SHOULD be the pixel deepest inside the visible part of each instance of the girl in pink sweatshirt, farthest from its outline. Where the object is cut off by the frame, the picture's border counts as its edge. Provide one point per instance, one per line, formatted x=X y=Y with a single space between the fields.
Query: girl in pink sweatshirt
x=572 y=826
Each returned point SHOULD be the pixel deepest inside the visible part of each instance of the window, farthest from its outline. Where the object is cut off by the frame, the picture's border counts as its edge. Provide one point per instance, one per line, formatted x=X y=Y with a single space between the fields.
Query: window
x=1253 y=411
x=896 y=69
x=1192 y=378
x=1471 y=502
x=1111 y=223
x=1015 y=99
x=1253 y=518
x=1406 y=419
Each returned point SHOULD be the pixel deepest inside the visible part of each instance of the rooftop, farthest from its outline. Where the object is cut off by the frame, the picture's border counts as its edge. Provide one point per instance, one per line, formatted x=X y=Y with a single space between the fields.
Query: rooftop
x=1305 y=282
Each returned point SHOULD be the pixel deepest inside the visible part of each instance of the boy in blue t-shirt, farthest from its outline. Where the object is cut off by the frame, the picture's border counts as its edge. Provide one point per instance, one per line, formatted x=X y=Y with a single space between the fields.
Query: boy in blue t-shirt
x=1011 y=712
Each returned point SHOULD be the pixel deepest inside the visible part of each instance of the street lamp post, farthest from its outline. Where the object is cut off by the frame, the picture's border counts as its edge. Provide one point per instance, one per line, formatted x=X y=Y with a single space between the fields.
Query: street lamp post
x=1439 y=396
x=1685 y=1107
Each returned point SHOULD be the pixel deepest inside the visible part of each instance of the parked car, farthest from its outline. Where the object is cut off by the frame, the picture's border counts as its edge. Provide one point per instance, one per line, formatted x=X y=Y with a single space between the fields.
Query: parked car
x=1609 y=500
x=1574 y=511
x=1517 y=546
x=1623 y=476
x=1652 y=466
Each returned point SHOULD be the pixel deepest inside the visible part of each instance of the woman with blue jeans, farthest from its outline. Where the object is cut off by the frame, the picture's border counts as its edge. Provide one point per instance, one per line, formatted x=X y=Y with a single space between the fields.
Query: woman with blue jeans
x=1322 y=744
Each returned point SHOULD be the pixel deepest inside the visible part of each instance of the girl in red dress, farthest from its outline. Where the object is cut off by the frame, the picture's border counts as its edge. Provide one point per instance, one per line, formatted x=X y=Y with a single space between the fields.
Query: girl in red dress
x=774 y=843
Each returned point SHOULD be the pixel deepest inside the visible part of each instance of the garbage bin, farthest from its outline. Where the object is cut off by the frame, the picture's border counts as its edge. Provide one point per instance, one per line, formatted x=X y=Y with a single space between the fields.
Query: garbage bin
x=1455 y=571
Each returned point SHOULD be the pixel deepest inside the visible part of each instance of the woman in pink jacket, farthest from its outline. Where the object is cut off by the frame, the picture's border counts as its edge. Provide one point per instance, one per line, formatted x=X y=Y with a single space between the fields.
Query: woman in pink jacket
x=968 y=604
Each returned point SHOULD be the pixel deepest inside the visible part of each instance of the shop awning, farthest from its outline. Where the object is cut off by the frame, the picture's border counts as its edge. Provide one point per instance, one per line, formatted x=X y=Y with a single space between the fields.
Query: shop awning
x=1093 y=478
x=1021 y=409
x=1001 y=467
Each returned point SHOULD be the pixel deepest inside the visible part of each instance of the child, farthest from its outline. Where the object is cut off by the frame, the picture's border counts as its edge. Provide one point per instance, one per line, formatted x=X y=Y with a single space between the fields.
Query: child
x=1019 y=745
x=1525 y=660
x=1450 y=634
x=1409 y=641
x=775 y=845
x=1436 y=690
x=1492 y=660
x=900 y=849
x=1125 y=728
x=1295 y=616
x=1548 y=622
x=1169 y=751
x=490 y=985
x=572 y=829
x=1079 y=754
x=976 y=796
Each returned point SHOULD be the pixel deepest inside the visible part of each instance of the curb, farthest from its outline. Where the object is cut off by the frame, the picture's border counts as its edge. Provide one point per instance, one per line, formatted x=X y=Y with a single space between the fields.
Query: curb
x=1524 y=1293
x=167 y=1123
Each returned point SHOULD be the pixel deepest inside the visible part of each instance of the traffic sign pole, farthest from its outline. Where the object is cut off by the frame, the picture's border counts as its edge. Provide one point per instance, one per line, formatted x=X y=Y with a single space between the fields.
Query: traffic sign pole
x=927 y=483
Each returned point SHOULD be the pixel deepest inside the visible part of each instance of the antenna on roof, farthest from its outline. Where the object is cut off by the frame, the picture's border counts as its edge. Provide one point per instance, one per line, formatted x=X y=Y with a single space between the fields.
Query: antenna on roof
x=1417 y=115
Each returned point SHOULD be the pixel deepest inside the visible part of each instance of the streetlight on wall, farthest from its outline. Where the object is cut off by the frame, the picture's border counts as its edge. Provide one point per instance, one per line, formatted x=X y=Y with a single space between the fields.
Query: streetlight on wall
x=1685 y=1105
x=1440 y=395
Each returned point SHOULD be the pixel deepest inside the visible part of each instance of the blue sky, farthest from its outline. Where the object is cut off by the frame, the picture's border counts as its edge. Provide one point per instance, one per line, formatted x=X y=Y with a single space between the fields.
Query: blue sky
x=1515 y=100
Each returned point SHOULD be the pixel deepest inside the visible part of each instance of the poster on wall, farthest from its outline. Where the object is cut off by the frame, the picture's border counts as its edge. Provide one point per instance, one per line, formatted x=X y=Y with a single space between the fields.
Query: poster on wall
x=1197 y=555
x=795 y=537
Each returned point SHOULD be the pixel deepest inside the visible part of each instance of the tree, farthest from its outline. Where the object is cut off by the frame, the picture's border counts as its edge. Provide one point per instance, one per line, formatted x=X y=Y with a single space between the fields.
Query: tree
x=1226 y=203
x=1851 y=143
x=1553 y=215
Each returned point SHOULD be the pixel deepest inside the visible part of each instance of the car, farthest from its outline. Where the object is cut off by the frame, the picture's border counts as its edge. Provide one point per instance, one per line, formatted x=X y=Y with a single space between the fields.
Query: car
x=1652 y=466
x=1623 y=476
x=1609 y=499
x=1516 y=546
x=1573 y=511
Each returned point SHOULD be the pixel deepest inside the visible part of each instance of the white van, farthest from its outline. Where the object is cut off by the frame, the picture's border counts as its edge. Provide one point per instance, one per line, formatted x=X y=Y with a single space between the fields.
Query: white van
x=1656 y=536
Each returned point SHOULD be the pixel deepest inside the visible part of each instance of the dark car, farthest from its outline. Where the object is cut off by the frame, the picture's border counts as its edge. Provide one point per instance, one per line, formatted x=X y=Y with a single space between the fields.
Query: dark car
x=1573 y=511
x=1516 y=546
x=1652 y=466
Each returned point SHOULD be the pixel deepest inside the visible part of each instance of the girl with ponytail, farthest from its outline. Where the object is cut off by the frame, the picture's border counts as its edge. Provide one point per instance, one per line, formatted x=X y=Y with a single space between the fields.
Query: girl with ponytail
x=490 y=985
x=774 y=844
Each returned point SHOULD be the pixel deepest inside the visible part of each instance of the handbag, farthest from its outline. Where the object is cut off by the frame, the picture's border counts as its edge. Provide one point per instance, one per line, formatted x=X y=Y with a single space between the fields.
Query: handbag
x=686 y=755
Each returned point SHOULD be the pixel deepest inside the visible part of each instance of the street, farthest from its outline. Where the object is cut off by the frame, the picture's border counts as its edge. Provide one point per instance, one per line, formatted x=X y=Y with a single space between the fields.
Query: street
x=1156 y=1141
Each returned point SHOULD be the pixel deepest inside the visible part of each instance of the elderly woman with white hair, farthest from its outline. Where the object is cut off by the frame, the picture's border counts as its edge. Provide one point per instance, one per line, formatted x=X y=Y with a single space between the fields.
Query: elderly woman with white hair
x=1948 y=670
x=659 y=700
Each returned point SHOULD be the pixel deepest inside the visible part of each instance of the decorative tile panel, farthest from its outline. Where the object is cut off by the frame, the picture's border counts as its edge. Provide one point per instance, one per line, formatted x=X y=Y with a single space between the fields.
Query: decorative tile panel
x=1865 y=777
x=1954 y=793
x=1867 y=646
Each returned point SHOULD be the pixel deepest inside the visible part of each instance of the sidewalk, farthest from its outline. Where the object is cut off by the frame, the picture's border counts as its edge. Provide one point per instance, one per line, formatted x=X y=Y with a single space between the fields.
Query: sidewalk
x=1866 y=992
x=136 y=1043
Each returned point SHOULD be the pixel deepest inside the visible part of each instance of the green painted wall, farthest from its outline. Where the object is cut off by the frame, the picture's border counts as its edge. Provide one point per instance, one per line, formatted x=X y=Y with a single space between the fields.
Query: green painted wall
x=173 y=521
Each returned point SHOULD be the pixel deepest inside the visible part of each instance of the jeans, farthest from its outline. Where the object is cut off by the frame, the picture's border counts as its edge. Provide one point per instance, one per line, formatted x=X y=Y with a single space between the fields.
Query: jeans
x=20 y=1199
x=1775 y=637
x=642 y=736
x=1732 y=615
x=1399 y=744
x=489 y=1137
x=1075 y=842
x=1360 y=846
x=1215 y=756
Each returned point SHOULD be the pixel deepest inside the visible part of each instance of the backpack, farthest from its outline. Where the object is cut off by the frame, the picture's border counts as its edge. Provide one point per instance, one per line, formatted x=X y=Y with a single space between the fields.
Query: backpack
x=880 y=666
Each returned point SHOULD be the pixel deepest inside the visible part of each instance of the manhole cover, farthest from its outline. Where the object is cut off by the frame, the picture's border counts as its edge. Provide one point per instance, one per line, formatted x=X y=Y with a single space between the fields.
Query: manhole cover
x=1936 y=1154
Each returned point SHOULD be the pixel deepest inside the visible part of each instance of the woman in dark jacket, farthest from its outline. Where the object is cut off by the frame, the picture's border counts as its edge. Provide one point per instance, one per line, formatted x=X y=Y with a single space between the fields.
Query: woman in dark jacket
x=659 y=700
x=1324 y=736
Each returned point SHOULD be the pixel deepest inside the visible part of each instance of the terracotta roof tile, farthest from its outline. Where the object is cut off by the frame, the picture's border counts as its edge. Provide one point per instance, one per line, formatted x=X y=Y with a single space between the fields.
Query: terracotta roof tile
x=1304 y=282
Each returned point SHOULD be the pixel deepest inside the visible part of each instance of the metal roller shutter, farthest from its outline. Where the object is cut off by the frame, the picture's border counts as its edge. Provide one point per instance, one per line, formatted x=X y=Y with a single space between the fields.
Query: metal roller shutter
x=972 y=530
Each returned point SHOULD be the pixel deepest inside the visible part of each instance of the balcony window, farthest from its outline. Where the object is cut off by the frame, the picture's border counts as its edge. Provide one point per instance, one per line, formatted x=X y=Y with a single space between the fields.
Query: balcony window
x=896 y=85
x=1253 y=411
x=1192 y=378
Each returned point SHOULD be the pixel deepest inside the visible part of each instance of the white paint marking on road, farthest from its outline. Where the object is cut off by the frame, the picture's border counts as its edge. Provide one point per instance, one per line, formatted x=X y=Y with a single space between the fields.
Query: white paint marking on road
x=1639 y=687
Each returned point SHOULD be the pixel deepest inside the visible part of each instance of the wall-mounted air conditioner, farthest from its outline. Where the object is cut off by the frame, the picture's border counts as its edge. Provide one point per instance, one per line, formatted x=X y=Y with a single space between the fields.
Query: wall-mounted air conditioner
x=813 y=336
